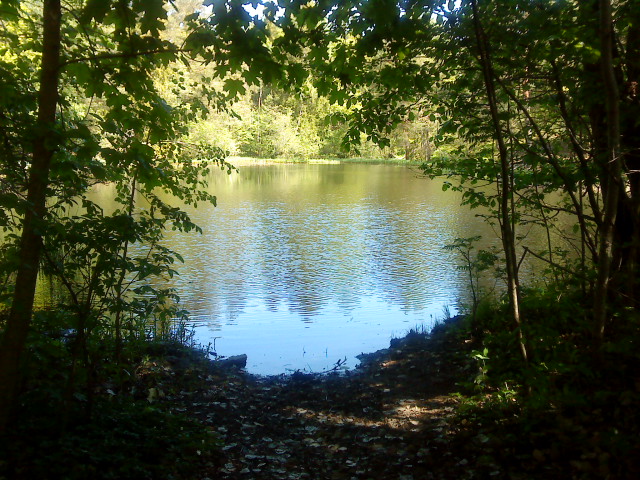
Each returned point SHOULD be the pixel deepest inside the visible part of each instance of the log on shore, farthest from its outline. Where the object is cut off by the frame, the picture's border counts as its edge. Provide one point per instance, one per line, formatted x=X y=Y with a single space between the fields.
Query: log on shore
x=237 y=361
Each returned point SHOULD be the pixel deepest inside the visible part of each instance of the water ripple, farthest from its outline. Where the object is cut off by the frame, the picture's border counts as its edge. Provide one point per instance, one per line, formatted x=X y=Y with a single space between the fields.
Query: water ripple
x=320 y=258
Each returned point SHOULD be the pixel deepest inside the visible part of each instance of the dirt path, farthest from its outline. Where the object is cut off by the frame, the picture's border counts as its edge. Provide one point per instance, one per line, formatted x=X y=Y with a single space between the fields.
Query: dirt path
x=389 y=419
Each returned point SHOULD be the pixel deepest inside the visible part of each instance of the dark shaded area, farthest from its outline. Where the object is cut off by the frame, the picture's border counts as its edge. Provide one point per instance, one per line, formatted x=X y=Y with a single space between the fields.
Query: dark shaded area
x=397 y=416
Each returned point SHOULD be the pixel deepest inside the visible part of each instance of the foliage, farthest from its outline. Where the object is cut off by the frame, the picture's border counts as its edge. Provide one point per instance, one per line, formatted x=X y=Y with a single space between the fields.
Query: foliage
x=567 y=409
x=98 y=420
x=99 y=116
x=528 y=108
x=475 y=264
x=526 y=99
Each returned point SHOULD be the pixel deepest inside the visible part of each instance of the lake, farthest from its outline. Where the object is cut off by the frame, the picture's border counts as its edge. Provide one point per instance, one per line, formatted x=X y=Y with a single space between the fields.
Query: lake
x=304 y=265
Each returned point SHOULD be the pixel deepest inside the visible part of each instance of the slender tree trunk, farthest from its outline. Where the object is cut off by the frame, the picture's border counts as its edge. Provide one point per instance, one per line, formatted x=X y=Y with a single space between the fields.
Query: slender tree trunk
x=17 y=328
x=551 y=158
x=508 y=237
x=589 y=179
x=630 y=139
x=119 y=289
x=613 y=171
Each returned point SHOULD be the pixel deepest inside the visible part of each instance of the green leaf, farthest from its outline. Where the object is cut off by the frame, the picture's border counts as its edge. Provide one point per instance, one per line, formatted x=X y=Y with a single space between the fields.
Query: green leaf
x=95 y=10
x=234 y=87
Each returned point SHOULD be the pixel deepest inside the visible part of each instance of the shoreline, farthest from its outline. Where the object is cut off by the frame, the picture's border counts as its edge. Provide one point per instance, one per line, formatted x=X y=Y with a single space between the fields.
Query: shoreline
x=238 y=161
x=400 y=401
x=411 y=338
x=412 y=411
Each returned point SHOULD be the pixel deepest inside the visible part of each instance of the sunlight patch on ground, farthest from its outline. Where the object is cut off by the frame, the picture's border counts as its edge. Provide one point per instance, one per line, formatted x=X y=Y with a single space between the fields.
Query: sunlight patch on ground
x=401 y=415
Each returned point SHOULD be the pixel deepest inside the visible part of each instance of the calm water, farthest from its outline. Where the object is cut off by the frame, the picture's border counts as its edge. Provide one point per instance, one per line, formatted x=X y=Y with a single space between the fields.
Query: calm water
x=303 y=265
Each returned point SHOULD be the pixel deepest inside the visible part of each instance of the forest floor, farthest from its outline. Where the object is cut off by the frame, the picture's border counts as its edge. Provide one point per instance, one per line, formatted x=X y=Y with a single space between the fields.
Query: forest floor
x=408 y=412
x=391 y=418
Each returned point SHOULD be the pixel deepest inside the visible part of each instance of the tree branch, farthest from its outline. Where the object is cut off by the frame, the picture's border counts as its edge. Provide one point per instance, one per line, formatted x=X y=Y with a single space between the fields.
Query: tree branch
x=551 y=157
x=108 y=56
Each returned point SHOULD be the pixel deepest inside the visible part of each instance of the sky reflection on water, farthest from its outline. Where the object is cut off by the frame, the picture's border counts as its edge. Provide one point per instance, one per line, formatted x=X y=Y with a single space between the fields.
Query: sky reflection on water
x=301 y=266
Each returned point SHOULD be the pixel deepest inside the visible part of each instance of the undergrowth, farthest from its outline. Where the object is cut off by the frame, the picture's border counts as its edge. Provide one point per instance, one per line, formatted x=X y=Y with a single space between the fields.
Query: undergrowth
x=572 y=410
x=82 y=414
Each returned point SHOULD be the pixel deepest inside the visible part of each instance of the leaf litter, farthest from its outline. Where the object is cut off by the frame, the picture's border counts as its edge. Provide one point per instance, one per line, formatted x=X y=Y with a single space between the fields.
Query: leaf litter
x=390 y=418
x=396 y=416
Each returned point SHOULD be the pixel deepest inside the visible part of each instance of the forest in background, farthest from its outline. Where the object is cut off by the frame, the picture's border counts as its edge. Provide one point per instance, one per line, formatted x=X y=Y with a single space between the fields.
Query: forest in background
x=509 y=101
x=266 y=120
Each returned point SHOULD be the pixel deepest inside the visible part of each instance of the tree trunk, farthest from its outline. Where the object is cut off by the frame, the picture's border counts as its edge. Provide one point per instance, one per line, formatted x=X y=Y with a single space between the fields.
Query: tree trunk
x=630 y=148
x=507 y=233
x=613 y=180
x=17 y=328
x=118 y=290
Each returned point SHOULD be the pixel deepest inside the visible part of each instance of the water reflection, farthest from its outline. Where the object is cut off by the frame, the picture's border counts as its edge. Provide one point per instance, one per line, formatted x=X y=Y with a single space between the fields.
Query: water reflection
x=302 y=265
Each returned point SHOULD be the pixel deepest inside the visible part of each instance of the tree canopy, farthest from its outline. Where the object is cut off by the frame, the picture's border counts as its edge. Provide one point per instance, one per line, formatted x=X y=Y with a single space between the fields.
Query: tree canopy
x=82 y=106
x=540 y=95
x=509 y=100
